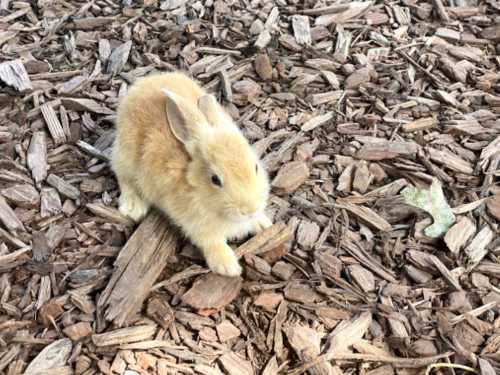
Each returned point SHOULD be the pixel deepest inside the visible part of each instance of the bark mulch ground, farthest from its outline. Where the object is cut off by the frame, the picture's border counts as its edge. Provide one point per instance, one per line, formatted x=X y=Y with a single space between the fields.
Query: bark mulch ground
x=348 y=103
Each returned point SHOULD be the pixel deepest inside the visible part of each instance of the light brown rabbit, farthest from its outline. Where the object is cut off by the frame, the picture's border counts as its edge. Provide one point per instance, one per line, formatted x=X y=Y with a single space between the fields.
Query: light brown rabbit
x=177 y=149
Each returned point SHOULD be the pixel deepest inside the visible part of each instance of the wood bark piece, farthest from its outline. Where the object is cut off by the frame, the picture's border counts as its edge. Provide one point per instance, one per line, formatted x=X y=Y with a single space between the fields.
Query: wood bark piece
x=124 y=335
x=267 y=240
x=317 y=121
x=53 y=123
x=212 y=291
x=263 y=66
x=493 y=206
x=52 y=356
x=290 y=177
x=37 y=157
x=78 y=331
x=139 y=263
x=8 y=217
x=306 y=342
x=353 y=9
x=362 y=177
x=348 y=332
x=301 y=29
x=24 y=195
x=159 y=310
x=368 y=216
x=13 y=73
x=458 y=235
x=63 y=187
x=477 y=248
x=386 y=150
x=109 y=213
x=233 y=364
x=227 y=331
x=420 y=124
x=85 y=105
x=119 y=58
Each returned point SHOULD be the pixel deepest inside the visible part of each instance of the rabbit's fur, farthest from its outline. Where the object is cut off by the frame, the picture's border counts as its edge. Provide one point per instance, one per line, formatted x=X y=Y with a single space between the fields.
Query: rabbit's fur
x=174 y=145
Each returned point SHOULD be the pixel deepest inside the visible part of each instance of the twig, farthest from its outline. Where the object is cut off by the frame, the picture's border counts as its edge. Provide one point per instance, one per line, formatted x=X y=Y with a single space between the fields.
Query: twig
x=434 y=79
x=449 y=365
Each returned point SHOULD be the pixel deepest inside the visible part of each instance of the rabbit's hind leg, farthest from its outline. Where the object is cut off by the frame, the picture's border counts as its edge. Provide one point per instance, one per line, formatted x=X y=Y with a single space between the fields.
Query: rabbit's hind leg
x=130 y=203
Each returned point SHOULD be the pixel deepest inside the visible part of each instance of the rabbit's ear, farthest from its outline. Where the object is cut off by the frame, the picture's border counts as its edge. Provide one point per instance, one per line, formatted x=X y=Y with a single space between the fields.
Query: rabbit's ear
x=210 y=108
x=178 y=116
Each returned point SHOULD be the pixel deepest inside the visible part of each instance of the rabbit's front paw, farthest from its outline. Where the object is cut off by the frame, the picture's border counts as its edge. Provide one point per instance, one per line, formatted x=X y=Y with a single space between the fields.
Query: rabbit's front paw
x=131 y=205
x=223 y=261
x=261 y=223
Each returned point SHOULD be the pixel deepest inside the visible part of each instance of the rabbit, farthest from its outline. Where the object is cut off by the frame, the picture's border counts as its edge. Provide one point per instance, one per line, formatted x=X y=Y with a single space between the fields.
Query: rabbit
x=177 y=149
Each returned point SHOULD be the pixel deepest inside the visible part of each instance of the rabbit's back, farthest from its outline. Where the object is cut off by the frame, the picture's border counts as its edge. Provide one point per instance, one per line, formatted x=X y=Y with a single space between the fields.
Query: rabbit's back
x=145 y=146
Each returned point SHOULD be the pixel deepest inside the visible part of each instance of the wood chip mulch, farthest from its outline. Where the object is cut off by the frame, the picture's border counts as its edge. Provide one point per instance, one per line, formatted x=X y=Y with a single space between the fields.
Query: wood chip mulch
x=347 y=103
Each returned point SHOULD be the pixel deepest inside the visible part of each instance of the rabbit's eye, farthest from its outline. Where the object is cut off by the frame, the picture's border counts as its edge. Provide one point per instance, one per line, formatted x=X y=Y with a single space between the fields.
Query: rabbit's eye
x=216 y=180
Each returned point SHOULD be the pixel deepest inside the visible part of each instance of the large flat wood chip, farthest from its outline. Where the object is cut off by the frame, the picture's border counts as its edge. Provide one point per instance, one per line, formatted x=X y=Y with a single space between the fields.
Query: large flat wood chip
x=212 y=291
x=290 y=177
x=119 y=58
x=139 y=264
x=13 y=73
x=458 y=235
x=8 y=217
x=24 y=195
x=478 y=247
x=53 y=123
x=52 y=356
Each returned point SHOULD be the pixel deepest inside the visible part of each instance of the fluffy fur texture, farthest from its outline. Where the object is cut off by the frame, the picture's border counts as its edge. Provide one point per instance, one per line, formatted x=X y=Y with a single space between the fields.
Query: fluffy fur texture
x=177 y=149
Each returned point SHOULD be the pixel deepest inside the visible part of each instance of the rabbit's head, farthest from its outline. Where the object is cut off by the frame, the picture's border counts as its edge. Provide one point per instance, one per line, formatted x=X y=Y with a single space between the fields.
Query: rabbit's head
x=223 y=168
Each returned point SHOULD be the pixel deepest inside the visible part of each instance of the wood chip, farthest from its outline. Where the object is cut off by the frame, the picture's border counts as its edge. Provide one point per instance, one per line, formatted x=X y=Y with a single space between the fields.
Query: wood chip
x=477 y=248
x=263 y=66
x=63 y=187
x=85 y=105
x=51 y=357
x=420 y=124
x=267 y=240
x=138 y=268
x=37 y=157
x=25 y=196
x=8 y=217
x=316 y=121
x=301 y=29
x=458 y=235
x=13 y=73
x=233 y=364
x=368 y=216
x=493 y=205
x=118 y=58
x=78 y=331
x=123 y=335
x=55 y=127
x=290 y=177
x=212 y=291
x=227 y=331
